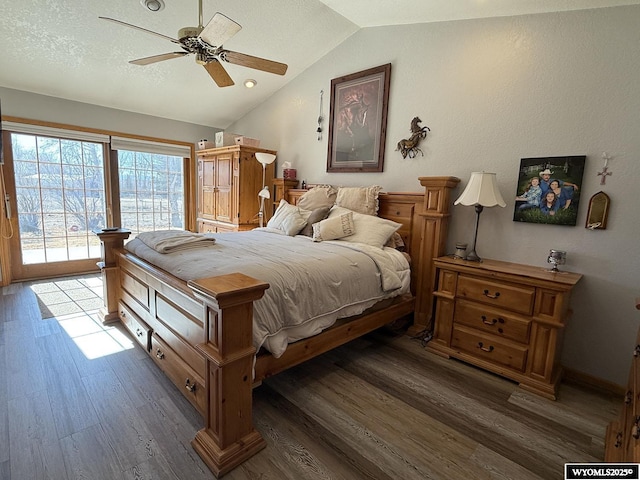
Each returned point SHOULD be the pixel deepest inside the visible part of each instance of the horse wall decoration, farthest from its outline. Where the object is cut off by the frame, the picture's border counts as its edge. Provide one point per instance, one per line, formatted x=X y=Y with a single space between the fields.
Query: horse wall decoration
x=409 y=147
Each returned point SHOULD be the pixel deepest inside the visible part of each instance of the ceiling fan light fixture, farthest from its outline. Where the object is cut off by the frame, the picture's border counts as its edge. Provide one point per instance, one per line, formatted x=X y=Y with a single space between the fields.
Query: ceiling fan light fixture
x=152 y=5
x=250 y=83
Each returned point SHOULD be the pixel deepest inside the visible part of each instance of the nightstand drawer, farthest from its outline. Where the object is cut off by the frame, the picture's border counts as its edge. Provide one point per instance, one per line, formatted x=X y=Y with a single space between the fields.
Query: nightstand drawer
x=489 y=348
x=491 y=320
x=502 y=295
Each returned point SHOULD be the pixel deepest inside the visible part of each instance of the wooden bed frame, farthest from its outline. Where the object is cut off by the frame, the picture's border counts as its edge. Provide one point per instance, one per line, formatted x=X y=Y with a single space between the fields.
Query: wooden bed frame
x=200 y=332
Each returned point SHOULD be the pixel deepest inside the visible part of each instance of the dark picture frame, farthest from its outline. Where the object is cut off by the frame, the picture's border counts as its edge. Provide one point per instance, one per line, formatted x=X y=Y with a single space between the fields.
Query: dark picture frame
x=358 y=120
x=558 y=202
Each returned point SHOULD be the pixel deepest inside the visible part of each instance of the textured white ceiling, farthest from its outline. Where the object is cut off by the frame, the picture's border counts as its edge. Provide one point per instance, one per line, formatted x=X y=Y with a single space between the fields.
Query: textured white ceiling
x=60 y=47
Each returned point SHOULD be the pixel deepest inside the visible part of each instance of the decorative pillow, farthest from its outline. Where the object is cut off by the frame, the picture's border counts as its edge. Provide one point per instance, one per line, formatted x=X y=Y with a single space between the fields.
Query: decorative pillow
x=370 y=229
x=359 y=199
x=317 y=197
x=334 y=228
x=316 y=216
x=288 y=217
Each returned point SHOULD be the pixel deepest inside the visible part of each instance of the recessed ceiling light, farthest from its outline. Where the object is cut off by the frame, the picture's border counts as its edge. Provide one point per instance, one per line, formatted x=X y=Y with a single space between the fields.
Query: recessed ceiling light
x=152 y=5
x=250 y=83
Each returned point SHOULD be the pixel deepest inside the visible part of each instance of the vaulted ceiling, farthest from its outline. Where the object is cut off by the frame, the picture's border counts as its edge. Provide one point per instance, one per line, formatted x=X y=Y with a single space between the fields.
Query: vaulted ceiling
x=61 y=48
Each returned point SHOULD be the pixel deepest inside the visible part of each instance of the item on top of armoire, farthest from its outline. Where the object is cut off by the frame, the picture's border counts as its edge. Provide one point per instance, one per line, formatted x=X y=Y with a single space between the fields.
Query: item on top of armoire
x=622 y=439
x=555 y=258
x=249 y=142
x=204 y=144
x=481 y=191
x=409 y=147
x=229 y=179
x=225 y=139
x=504 y=317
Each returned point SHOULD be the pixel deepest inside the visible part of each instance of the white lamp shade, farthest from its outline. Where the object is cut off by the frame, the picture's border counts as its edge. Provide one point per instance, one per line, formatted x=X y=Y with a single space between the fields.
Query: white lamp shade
x=264 y=193
x=265 y=158
x=482 y=189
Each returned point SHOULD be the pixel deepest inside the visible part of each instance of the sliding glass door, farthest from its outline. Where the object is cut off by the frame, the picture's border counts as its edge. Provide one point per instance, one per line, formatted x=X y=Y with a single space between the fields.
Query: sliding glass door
x=63 y=184
x=60 y=200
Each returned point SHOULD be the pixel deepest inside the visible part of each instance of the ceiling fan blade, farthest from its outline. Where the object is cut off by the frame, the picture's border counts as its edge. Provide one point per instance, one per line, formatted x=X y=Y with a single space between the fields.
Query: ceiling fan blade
x=218 y=73
x=140 y=28
x=219 y=29
x=257 y=63
x=158 y=58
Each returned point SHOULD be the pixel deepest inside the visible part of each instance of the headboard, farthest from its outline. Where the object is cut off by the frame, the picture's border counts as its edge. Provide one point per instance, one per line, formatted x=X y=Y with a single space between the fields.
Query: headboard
x=425 y=219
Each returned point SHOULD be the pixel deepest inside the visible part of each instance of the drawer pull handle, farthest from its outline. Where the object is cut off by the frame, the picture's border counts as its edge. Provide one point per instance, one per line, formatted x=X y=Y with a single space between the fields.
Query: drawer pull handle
x=159 y=354
x=618 y=443
x=487 y=322
x=139 y=332
x=191 y=387
x=485 y=349
x=636 y=351
x=123 y=314
x=488 y=295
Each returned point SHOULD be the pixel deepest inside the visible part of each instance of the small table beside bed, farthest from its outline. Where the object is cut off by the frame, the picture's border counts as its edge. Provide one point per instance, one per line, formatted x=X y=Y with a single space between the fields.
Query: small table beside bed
x=216 y=332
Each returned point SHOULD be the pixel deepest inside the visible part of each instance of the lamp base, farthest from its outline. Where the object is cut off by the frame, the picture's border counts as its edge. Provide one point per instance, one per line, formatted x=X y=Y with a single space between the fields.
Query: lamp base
x=472 y=256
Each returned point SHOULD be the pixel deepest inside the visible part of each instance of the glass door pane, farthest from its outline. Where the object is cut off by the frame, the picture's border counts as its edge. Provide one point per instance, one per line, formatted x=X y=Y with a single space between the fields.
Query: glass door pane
x=60 y=197
x=151 y=191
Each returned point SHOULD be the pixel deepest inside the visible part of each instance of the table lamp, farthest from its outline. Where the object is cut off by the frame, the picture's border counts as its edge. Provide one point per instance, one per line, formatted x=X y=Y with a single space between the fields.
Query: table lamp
x=481 y=191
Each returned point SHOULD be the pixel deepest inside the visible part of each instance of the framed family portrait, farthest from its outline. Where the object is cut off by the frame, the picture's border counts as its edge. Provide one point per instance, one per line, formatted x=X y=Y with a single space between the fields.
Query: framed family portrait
x=548 y=190
x=358 y=121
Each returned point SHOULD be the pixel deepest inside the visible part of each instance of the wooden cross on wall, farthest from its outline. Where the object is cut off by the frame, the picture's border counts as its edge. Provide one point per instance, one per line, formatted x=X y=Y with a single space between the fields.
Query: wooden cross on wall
x=604 y=174
x=605 y=169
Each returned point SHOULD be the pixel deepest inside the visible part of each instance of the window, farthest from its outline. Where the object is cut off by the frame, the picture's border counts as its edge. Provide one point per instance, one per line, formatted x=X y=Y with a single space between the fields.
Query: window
x=151 y=191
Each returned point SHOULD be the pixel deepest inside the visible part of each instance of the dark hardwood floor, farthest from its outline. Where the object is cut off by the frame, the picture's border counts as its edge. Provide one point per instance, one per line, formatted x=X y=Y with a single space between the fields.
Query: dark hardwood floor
x=382 y=407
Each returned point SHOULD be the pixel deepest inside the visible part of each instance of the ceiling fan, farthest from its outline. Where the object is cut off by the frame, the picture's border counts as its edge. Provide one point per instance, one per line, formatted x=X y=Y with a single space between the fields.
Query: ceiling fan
x=206 y=43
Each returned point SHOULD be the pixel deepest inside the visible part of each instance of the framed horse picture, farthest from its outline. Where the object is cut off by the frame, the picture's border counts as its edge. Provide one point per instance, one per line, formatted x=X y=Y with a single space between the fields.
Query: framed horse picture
x=358 y=121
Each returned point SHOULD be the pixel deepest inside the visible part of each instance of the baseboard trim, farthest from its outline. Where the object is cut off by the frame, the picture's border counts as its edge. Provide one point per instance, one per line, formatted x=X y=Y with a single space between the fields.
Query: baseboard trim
x=574 y=376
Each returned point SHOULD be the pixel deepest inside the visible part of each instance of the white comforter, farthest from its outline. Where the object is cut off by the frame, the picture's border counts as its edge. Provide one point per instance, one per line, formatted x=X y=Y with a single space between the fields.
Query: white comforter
x=311 y=284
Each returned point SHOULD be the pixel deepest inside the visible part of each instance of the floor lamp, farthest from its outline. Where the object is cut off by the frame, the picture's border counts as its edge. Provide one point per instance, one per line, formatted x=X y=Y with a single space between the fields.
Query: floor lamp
x=481 y=191
x=265 y=159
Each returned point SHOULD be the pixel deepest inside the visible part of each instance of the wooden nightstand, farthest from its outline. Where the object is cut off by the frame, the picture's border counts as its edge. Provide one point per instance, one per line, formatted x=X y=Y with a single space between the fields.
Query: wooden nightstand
x=504 y=317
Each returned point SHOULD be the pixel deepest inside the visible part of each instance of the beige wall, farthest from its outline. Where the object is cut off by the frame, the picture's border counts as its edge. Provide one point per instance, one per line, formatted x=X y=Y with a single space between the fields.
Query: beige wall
x=17 y=103
x=494 y=91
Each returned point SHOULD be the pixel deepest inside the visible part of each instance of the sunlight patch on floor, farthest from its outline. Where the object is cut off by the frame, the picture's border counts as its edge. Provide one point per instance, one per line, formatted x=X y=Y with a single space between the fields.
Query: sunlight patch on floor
x=74 y=303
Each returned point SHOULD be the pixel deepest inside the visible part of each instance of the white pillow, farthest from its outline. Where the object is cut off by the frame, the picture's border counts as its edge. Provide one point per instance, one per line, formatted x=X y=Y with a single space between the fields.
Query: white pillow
x=359 y=199
x=334 y=228
x=293 y=223
x=370 y=229
x=282 y=221
x=317 y=197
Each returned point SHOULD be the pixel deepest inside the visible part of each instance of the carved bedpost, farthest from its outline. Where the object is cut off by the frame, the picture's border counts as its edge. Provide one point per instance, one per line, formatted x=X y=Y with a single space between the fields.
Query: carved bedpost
x=435 y=215
x=228 y=437
x=112 y=242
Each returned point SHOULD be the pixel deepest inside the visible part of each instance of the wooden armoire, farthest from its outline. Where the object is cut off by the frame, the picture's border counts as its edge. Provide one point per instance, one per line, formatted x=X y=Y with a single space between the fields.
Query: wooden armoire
x=229 y=179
